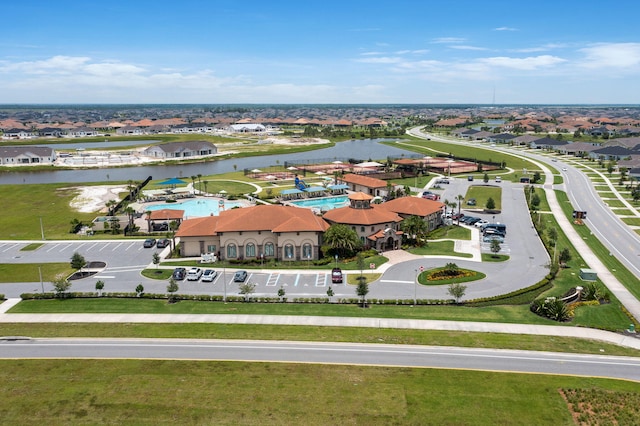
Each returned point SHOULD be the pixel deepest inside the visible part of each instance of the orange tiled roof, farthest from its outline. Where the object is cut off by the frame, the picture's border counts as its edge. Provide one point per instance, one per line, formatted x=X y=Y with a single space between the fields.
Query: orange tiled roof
x=369 y=182
x=413 y=206
x=166 y=214
x=359 y=196
x=198 y=226
x=371 y=216
x=257 y=218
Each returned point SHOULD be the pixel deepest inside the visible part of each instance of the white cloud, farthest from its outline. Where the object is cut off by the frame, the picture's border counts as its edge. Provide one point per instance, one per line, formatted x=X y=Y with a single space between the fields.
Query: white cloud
x=412 y=52
x=530 y=63
x=614 y=55
x=380 y=60
x=466 y=47
x=505 y=29
x=448 y=40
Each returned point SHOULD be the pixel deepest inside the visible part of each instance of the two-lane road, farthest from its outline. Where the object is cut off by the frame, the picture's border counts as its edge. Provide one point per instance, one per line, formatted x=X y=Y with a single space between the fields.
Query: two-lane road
x=327 y=353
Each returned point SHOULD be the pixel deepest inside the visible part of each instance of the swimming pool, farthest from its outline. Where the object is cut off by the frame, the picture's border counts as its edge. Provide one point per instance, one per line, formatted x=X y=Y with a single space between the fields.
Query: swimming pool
x=323 y=203
x=199 y=207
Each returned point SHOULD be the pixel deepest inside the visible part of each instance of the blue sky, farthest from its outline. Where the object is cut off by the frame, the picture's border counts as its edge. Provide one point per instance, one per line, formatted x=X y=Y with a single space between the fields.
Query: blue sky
x=224 y=51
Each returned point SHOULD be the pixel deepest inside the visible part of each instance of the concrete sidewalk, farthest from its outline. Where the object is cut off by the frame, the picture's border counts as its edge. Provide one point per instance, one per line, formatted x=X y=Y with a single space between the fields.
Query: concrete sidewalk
x=627 y=340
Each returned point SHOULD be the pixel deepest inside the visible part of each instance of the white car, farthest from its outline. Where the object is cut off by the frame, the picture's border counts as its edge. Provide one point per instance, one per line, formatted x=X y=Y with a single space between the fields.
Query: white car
x=209 y=275
x=194 y=274
x=481 y=223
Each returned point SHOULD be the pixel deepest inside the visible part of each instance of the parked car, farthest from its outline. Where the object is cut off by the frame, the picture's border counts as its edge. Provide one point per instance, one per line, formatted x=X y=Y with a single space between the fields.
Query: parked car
x=179 y=274
x=194 y=274
x=469 y=178
x=473 y=220
x=481 y=223
x=471 y=202
x=164 y=242
x=336 y=275
x=498 y=179
x=209 y=275
x=149 y=243
x=493 y=237
x=445 y=181
x=240 y=276
x=457 y=216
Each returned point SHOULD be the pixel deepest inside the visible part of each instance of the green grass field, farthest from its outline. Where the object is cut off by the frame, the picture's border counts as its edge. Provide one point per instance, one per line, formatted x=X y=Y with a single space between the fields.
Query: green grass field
x=482 y=193
x=230 y=393
x=28 y=272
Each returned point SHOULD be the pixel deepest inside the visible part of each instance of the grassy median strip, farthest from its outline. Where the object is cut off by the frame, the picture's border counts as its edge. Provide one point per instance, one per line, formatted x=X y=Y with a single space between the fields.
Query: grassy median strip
x=230 y=393
x=28 y=272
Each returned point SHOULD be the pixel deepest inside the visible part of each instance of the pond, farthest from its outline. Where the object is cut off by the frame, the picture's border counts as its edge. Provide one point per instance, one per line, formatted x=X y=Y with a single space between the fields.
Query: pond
x=364 y=149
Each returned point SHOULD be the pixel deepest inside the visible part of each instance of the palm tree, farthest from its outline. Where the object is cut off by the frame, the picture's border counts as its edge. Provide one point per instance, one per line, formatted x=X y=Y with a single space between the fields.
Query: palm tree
x=460 y=198
x=415 y=228
x=200 y=182
x=205 y=186
x=342 y=239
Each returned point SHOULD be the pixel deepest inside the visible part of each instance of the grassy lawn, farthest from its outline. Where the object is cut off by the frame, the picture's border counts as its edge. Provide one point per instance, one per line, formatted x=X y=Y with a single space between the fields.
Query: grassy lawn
x=352 y=279
x=623 y=275
x=490 y=257
x=24 y=205
x=453 y=232
x=482 y=193
x=157 y=274
x=465 y=275
x=28 y=272
x=633 y=221
x=118 y=391
x=32 y=247
x=614 y=203
x=441 y=248
x=612 y=318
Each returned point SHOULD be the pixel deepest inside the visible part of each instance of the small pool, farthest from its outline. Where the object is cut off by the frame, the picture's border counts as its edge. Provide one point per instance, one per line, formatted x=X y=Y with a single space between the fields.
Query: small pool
x=323 y=203
x=199 y=207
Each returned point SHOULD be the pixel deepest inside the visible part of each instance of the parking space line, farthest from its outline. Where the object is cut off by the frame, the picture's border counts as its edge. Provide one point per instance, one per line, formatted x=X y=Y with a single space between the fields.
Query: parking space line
x=104 y=247
x=272 y=281
x=321 y=280
x=53 y=246
x=295 y=284
x=116 y=247
x=10 y=247
x=64 y=248
x=93 y=245
x=131 y=245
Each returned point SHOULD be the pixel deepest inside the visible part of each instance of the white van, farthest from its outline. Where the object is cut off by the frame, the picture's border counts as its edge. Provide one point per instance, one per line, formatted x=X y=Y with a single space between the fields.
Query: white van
x=498 y=179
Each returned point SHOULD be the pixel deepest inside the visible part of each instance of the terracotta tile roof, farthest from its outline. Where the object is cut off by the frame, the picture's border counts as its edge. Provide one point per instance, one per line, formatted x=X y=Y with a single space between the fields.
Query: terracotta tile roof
x=372 y=216
x=258 y=218
x=359 y=196
x=166 y=214
x=413 y=206
x=198 y=226
x=369 y=182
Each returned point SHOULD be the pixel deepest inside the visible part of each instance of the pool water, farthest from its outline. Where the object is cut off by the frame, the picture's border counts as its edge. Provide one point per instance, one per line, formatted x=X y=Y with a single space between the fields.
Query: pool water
x=199 y=207
x=323 y=203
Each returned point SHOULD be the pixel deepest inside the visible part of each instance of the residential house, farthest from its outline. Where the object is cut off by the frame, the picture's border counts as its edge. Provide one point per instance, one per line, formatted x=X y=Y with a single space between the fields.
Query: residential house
x=578 y=149
x=175 y=150
x=246 y=128
x=81 y=132
x=26 y=155
x=501 y=138
x=611 y=153
x=18 y=134
x=547 y=143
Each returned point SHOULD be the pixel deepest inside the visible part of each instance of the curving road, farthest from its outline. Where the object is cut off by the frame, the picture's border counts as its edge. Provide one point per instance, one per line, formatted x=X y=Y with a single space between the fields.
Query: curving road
x=627 y=368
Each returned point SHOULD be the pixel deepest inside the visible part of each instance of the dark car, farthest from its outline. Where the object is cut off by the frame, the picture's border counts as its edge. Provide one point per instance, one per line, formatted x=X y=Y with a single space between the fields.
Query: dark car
x=163 y=243
x=179 y=274
x=471 y=202
x=149 y=242
x=240 y=276
x=336 y=275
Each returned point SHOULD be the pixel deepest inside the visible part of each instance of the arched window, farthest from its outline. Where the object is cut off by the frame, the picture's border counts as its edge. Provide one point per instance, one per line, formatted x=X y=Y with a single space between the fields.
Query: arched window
x=307 y=251
x=231 y=251
x=250 y=250
x=288 y=252
x=268 y=249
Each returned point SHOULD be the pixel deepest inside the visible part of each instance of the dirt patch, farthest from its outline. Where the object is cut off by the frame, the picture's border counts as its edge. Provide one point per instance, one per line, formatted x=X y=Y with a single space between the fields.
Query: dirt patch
x=94 y=198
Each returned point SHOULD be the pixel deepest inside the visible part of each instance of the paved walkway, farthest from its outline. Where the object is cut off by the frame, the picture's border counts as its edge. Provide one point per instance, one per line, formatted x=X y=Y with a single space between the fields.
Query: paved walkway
x=628 y=340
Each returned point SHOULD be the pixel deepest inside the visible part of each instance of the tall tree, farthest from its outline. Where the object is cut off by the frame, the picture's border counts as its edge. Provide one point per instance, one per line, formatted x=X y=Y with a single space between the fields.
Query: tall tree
x=77 y=261
x=415 y=229
x=491 y=204
x=342 y=240
x=172 y=288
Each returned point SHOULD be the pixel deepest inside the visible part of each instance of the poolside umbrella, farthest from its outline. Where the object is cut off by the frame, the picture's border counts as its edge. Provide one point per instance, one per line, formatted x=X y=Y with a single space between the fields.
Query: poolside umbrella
x=270 y=177
x=337 y=162
x=292 y=168
x=172 y=181
x=222 y=191
x=256 y=171
x=320 y=173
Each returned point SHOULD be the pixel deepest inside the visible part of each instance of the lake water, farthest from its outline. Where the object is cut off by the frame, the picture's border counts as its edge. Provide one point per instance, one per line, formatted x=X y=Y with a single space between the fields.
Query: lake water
x=365 y=149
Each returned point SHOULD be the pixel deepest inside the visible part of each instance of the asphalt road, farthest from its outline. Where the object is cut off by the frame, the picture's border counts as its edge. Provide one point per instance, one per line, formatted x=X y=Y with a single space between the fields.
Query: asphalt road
x=328 y=353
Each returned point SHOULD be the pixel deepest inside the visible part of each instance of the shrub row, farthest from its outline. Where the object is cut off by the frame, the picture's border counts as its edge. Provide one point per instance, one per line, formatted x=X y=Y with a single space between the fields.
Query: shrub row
x=219 y=298
x=522 y=296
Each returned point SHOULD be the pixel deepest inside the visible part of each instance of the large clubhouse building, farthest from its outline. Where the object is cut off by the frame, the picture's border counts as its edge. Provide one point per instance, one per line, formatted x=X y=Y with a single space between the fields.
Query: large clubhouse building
x=289 y=233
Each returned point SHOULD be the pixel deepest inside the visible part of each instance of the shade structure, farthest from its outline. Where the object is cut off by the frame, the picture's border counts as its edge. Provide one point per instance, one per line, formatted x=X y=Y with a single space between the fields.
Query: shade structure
x=270 y=177
x=256 y=171
x=292 y=168
x=320 y=173
x=172 y=181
